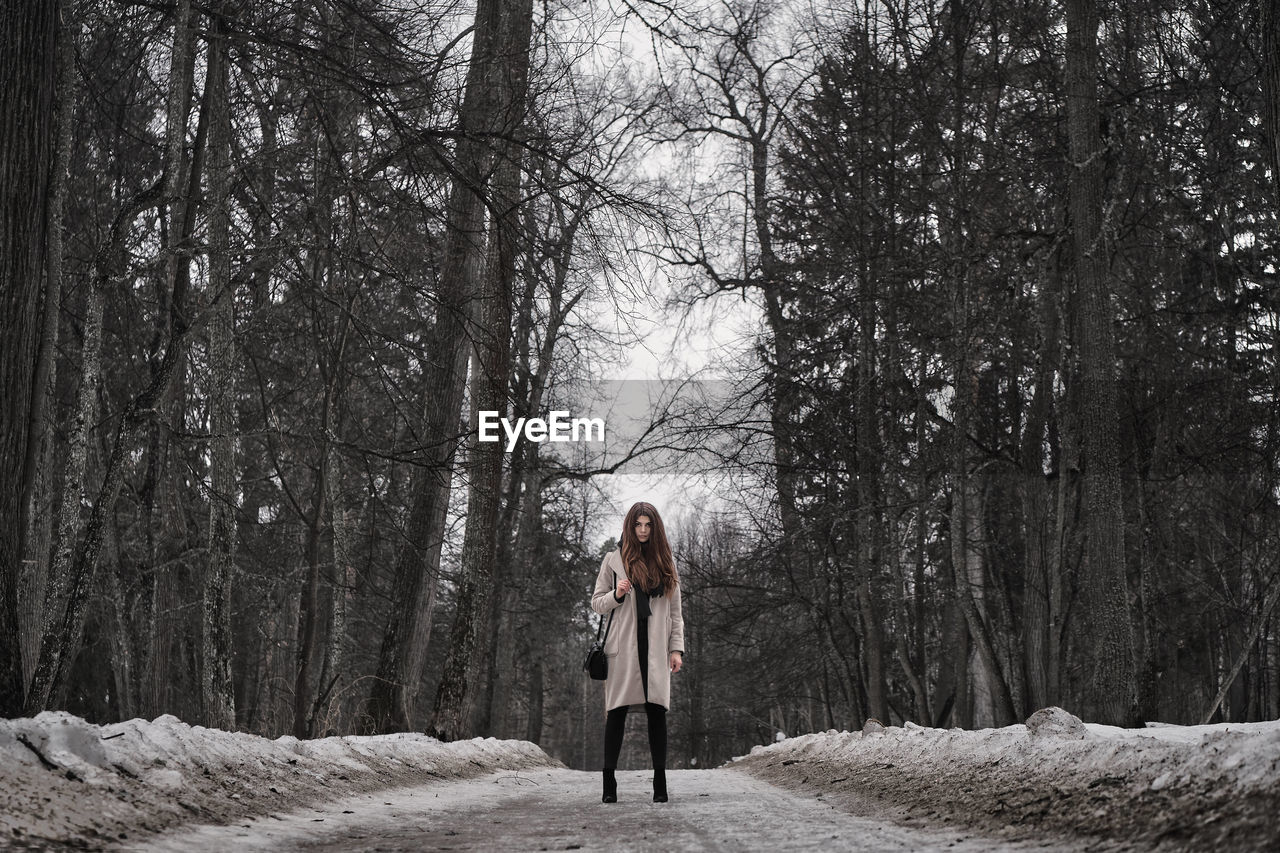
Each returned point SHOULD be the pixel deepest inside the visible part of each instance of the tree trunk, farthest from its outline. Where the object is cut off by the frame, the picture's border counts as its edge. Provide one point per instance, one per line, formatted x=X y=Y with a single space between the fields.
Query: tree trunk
x=951 y=701
x=73 y=494
x=491 y=709
x=1269 y=20
x=490 y=368
x=123 y=671
x=215 y=679
x=73 y=578
x=27 y=74
x=971 y=582
x=1037 y=515
x=484 y=464
x=305 y=696
x=533 y=729
x=866 y=464
x=992 y=703
x=523 y=508
x=1105 y=645
x=39 y=470
x=782 y=405
x=162 y=595
x=1066 y=548
x=392 y=704
x=340 y=582
x=330 y=507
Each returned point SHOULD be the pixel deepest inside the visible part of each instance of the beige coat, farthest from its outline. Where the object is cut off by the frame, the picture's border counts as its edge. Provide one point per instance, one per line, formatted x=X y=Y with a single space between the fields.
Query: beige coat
x=666 y=635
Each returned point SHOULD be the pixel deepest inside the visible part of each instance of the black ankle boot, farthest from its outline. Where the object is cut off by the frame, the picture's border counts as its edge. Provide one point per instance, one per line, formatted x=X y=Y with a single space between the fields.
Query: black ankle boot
x=610 y=788
x=660 y=784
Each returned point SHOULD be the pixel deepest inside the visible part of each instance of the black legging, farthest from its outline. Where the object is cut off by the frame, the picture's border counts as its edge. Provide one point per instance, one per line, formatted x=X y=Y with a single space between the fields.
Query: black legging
x=615 y=722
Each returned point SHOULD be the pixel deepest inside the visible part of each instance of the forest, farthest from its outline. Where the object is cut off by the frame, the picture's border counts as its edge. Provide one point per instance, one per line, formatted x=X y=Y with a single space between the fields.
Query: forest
x=1004 y=421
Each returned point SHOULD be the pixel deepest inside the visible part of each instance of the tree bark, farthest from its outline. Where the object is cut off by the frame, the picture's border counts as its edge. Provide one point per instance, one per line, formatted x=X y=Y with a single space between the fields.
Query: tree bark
x=1037 y=515
x=992 y=703
x=62 y=583
x=491 y=369
x=310 y=700
x=162 y=595
x=39 y=474
x=523 y=506
x=27 y=74
x=866 y=464
x=123 y=661
x=1269 y=21
x=305 y=695
x=533 y=729
x=73 y=573
x=339 y=583
x=215 y=678
x=392 y=704
x=1105 y=644
x=484 y=465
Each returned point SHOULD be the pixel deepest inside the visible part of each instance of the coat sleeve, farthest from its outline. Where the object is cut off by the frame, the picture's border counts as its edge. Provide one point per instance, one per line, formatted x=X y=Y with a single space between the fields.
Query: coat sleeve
x=602 y=599
x=675 y=641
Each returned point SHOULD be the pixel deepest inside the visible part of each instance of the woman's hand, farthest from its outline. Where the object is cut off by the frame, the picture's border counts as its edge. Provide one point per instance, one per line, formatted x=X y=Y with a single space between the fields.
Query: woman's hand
x=624 y=586
x=676 y=660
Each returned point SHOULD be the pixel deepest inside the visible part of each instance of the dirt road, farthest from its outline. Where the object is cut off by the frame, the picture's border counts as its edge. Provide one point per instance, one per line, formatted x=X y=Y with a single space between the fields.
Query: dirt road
x=713 y=810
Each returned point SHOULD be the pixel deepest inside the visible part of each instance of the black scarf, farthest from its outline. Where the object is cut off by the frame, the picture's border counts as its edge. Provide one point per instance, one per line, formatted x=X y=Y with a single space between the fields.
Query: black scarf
x=642 y=601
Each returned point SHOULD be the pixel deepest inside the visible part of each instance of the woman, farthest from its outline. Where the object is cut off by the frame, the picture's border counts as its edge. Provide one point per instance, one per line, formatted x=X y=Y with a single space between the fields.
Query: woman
x=638 y=585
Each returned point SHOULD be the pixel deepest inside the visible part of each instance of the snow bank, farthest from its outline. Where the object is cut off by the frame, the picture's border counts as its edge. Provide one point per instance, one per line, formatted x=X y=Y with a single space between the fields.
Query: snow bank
x=66 y=781
x=1180 y=786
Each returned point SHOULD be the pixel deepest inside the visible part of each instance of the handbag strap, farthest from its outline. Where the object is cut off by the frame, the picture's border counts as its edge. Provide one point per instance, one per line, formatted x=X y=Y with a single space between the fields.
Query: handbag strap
x=602 y=622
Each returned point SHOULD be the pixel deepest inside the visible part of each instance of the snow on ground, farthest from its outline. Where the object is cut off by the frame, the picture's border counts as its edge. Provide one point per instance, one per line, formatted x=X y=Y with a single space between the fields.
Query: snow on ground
x=67 y=782
x=1174 y=787
x=1054 y=781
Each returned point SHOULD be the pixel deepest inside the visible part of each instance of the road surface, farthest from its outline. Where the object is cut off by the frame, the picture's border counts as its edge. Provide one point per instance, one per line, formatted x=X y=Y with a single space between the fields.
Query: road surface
x=557 y=809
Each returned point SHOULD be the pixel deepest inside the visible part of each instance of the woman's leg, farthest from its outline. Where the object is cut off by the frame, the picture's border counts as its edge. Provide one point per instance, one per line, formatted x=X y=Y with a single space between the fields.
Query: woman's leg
x=615 y=722
x=657 y=719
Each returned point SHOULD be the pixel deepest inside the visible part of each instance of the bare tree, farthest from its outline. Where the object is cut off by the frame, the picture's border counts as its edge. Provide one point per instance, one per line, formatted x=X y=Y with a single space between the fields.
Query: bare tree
x=393 y=697
x=491 y=363
x=75 y=563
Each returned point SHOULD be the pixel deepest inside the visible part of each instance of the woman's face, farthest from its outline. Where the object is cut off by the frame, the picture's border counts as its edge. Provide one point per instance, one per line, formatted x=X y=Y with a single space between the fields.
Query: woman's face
x=644 y=527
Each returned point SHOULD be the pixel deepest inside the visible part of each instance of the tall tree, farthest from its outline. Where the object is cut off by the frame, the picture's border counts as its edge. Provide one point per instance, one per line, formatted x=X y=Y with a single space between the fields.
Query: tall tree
x=1104 y=645
x=75 y=564
x=491 y=360
x=1269 y=26
x=27 y=101
x=216 y=647
x=39 y=468
x=392 y=703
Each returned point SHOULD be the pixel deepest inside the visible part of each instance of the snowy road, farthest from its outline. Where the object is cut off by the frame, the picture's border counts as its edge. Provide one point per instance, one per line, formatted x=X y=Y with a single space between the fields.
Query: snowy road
x=714 y=810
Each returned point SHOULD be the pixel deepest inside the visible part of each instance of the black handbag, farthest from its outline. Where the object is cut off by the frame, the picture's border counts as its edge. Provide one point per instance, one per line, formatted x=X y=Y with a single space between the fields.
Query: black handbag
x=596 y=664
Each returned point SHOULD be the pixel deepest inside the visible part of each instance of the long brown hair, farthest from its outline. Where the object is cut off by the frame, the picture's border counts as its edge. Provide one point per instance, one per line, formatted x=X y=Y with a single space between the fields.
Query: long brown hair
x=648 y=563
